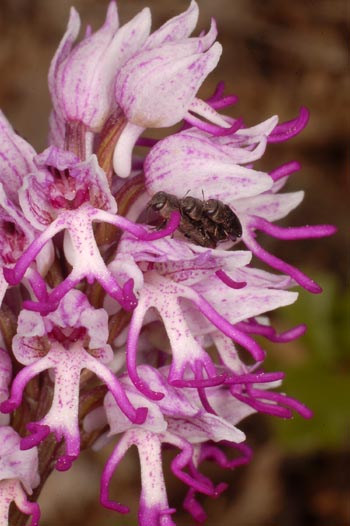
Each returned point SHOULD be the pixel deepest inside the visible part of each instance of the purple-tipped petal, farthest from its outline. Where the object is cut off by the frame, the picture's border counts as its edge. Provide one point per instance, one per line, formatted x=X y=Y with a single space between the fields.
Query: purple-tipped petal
x=216 y=131
x=278 y=264
x=38 y=434
x=110 y=466
x=270 y=333
x=230 y=282
x=285 y=170
x=301 y=232
x=290 y=129
x=64 y=463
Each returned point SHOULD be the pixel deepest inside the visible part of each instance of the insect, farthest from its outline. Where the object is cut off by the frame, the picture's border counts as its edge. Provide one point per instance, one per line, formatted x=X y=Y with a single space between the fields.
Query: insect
x=205 y=223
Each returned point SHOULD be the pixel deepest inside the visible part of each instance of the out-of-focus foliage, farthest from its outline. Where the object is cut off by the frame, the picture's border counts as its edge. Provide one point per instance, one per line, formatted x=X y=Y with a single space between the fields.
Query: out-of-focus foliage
x=318 y=368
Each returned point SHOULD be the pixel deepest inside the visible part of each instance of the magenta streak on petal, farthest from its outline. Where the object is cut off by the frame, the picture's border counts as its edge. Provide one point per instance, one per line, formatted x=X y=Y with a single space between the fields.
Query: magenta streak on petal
x=8 y=406
x=170 y=227
x=215 y=130
x=13 y=276
x=183 y=460
x=218 y=93
x=278 y=264
x=229 y=100
x=20 y=381
x=205 y=402
x=53 y=299
x=218 y=101
x=254 y=378
x=125 y=297
x=29 y=508
x=193 y=507
x=137 y=416
x=129 y=300
x=38 y=285
x=290 y=233
x=229 y=281
x=146 y=141
x=258 y=405
x=137 y=230
x=289 y=129
x=133 y=335
x=123 y=445
x=280 y=398
x=270 y=333
x=275 y=402
x=155 y=515
x=230 y=330
x=64 y=463
x=199 y=381
x=38 y=434
x=211 y=452
x=284 y=170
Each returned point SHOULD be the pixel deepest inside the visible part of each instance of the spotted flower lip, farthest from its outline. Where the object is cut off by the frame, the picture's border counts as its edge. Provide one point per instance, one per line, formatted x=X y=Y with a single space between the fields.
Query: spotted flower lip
x=66 y=194
x=207 y=308
x=178 y=420
x=85 y=257
x=182 y=404
x=62 y=341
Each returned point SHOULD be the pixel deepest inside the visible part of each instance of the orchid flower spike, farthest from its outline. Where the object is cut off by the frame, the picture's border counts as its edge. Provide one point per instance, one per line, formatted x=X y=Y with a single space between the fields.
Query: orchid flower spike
x=131 y=311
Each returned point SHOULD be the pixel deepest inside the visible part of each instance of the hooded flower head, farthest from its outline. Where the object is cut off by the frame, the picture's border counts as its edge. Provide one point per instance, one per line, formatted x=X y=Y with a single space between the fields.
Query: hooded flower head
x=82 y=75
x=157 y=87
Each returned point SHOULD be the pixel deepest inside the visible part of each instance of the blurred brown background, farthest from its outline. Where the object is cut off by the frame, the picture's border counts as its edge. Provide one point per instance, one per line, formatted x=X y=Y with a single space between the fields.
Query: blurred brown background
x=278 y=55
